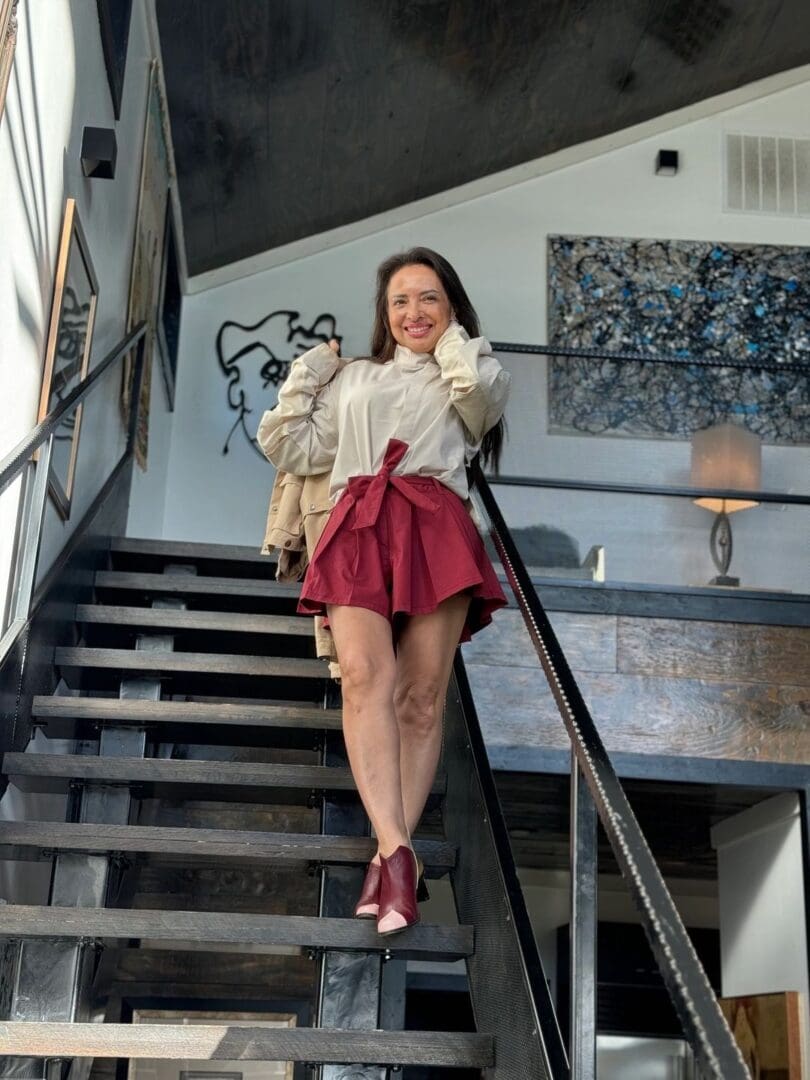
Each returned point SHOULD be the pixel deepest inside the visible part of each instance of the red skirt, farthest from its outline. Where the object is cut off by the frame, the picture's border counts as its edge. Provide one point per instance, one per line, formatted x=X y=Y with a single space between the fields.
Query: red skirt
x=399 y=545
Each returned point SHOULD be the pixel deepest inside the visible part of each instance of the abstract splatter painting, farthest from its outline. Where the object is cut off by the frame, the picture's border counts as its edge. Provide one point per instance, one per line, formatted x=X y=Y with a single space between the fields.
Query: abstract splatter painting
x=686 y=299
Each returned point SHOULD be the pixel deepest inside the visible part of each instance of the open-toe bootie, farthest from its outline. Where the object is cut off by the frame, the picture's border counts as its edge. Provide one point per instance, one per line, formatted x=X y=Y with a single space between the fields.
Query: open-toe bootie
x=368 y=904
x=398 y=906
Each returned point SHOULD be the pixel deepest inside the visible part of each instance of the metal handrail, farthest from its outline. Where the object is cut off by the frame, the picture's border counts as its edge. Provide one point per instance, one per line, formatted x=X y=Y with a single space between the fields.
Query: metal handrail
x=14 y=462
x=22 y=578
x=631 y=356
x=705 y=1028
x=668 y=491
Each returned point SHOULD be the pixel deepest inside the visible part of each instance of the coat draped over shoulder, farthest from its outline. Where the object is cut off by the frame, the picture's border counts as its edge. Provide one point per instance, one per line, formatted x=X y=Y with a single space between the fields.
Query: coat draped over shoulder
x=298 y=513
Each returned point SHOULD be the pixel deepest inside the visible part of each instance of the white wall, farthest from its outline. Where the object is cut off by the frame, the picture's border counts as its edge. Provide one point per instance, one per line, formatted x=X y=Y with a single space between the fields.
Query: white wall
x=498 y=243
x=763 y=933
x=58 y=85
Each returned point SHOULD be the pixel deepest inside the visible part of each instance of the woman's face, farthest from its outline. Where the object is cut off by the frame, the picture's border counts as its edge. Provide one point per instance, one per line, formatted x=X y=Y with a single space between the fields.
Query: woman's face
x=418 y=308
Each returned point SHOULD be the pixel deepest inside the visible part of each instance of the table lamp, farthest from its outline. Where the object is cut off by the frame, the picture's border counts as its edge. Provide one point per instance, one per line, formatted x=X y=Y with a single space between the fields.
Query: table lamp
x=730 y=457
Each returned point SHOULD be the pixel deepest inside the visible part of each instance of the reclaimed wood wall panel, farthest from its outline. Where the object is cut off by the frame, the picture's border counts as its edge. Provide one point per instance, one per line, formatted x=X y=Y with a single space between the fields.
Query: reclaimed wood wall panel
x=707 y=650
x=650 y=715
x=588 y=641
x=654 y=685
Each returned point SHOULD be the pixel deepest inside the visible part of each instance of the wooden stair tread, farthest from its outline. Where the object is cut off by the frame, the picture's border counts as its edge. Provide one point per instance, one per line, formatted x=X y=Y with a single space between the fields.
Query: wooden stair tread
x=195 y=584
x=206 y=663
x=232 y=1042
x=133 y=710
x=187 y=549
x=225 y=928
x=32 y=839
x=184 y=619
x=215 y=776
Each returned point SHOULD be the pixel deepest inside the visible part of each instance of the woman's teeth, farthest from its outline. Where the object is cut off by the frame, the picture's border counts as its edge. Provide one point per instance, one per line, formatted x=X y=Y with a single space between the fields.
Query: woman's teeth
x=418 y=331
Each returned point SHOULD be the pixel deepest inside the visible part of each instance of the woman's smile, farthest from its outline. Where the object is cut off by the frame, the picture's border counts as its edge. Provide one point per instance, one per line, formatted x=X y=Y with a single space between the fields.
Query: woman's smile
x=418 y=330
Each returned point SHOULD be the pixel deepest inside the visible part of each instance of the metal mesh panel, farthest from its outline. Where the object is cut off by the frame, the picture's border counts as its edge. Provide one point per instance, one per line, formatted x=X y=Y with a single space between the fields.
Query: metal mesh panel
x=504 y=1000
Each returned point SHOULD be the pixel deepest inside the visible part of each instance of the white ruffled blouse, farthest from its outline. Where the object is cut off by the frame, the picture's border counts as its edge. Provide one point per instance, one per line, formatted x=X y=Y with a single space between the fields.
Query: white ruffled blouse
x=340 y=413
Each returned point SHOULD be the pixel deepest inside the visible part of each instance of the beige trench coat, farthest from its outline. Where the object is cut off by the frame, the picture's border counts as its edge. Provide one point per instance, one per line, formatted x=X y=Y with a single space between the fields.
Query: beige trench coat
x=299 y=511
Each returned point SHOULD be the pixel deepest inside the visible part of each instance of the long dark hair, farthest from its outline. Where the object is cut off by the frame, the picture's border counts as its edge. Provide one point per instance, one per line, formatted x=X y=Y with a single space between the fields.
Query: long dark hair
x=383 y=343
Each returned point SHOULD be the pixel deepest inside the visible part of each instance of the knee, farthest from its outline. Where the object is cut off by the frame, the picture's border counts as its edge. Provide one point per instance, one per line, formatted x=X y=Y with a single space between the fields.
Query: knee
x=364 y=676
x=419 y=705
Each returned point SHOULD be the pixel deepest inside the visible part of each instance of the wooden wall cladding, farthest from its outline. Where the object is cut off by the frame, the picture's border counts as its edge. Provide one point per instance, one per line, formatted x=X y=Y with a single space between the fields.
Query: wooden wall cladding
x=654 y=686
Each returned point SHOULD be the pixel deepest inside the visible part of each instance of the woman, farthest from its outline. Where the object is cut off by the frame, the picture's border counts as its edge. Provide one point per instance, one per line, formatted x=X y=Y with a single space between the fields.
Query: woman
x=400 y=570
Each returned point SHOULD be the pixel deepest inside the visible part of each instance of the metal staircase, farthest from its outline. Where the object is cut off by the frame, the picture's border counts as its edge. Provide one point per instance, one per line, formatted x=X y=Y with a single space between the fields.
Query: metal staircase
x=167 y=698
x=203 y=736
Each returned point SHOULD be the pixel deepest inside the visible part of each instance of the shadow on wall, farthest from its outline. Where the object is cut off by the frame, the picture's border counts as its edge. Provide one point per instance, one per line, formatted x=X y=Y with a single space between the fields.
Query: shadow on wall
x=541 y=545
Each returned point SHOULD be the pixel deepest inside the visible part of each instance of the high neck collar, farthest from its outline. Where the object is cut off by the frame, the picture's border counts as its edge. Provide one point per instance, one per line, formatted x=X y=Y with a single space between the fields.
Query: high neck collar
x=406 y=358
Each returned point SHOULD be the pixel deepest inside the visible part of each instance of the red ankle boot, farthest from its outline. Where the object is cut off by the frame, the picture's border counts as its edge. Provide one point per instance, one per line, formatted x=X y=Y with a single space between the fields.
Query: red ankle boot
x=398 y=907
x=368 y=904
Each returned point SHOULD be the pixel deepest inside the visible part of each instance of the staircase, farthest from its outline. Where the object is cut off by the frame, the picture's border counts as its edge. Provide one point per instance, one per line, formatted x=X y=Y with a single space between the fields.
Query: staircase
x=214 y=840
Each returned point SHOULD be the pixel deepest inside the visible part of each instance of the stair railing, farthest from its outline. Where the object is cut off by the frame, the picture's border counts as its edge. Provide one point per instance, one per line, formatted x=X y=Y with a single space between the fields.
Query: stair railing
x=716 y=1052
x=20 y=463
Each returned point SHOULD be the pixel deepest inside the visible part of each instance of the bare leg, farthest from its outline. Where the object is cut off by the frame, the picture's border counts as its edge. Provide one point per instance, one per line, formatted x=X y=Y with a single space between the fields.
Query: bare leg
x=368 y=673
x=423 y=665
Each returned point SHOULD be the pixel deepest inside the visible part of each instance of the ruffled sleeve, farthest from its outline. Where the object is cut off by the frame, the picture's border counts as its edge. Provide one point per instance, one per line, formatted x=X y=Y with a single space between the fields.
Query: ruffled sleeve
x=300 y=434
x=479 y=386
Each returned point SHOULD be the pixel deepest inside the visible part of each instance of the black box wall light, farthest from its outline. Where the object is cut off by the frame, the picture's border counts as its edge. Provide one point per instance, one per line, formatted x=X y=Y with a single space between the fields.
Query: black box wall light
x=99 y=153
x=666 y=164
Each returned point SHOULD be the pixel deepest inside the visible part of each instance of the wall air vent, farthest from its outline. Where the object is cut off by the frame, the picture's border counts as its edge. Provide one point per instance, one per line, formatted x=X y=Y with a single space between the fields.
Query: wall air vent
x=767 y=174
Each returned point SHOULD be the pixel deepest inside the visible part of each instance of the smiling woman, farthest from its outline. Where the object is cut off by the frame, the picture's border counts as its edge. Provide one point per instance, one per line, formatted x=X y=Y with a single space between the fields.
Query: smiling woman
x=400 y=570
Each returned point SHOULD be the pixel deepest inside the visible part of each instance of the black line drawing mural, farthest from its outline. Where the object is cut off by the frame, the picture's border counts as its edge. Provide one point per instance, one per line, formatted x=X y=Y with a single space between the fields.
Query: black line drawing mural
x=253 y=358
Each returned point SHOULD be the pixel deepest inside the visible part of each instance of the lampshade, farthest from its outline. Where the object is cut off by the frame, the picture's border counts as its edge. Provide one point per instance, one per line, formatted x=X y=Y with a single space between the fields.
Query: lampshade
x=726 y=456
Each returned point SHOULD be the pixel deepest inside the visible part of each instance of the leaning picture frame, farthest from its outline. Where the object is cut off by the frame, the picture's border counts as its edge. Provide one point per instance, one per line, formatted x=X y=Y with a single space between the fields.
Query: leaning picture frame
x=67 y=351
x=147 y=253
x=8 y=40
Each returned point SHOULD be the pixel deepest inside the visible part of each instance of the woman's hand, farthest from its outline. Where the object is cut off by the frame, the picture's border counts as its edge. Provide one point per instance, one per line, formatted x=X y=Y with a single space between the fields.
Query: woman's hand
x=334 y=345
x=453 y=337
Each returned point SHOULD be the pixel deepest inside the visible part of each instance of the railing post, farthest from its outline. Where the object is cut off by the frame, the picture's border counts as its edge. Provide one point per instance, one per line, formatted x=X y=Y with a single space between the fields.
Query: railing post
x=582 y=928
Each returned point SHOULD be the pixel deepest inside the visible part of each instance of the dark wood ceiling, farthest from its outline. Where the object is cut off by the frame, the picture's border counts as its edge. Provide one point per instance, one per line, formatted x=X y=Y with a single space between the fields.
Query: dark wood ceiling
x=294 y=116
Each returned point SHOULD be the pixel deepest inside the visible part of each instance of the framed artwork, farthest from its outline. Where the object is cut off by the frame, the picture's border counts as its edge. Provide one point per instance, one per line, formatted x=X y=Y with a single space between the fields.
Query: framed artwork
x=67 y=353
x=150 y=1069
x=147 y=252
x=114 y=20
x=680 y=298
x=8 y=39
x=169 y=300
x=767 y=1029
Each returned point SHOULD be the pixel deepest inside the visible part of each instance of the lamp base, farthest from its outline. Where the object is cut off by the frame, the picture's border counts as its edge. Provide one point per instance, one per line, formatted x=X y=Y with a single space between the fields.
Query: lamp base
x=724 y=579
